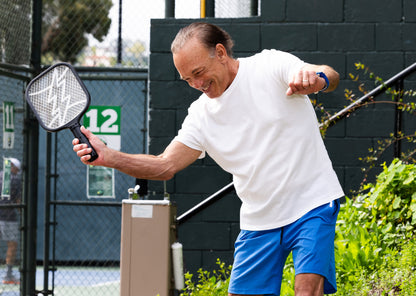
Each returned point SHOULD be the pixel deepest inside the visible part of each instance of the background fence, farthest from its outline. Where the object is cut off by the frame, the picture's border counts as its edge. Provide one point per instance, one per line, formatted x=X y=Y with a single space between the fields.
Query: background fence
x=11 y=89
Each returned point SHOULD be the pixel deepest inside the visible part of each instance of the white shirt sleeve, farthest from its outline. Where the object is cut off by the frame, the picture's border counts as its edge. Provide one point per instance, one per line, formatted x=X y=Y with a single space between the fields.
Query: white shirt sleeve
x=190 y=134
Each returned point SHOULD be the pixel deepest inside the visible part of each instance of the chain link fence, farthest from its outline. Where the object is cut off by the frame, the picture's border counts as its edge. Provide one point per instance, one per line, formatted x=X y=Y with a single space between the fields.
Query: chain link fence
x=15 y=31
x=11 y=89
x=79 y=208
x=85 y=224
x=109 y=33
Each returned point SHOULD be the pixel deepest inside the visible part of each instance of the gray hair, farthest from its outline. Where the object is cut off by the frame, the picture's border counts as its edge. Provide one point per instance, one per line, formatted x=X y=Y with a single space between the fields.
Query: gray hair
x=208 y=34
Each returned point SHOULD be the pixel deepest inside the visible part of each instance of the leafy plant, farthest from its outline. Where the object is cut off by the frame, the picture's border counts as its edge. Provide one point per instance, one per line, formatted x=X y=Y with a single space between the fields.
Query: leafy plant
x=375 y=245
x=403 y=100
x=208 y=284
x=392 y=201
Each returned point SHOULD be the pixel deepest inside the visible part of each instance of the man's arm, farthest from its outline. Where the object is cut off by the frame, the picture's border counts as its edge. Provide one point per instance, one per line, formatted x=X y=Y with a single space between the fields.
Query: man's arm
x=306 y=81
x=176 y=157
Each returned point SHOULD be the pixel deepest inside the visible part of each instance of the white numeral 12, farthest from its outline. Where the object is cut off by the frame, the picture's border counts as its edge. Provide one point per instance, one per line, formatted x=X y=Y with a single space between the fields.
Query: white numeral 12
x=107 y=126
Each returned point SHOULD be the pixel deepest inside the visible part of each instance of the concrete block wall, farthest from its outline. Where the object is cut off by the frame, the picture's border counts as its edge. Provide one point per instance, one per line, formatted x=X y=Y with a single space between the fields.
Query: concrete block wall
x=379 y=33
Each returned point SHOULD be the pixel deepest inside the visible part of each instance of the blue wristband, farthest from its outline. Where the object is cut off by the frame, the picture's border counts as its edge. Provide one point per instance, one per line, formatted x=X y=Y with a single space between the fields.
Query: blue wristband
x=322 y=74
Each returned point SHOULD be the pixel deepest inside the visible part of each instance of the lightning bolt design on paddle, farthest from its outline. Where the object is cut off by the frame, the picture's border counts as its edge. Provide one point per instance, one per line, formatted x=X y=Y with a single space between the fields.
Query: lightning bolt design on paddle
x=61 y=101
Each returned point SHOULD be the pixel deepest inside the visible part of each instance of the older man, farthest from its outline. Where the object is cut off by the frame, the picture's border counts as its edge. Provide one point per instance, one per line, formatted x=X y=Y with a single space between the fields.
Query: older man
x=255 y=120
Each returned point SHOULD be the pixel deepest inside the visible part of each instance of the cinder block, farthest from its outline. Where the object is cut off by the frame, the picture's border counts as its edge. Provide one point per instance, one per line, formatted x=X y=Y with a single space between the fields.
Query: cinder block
x=346 y=37
x=273 y=10
x=185 y=202
x=226 y=209
x=373 y=11
x=315 y=11
x=346 y=151
x=246 y=36
x=383 y=64
x=201 y=180
x=234 y=232
x=209 y=258
x=161 y=67
x=334 y=101
x=162 y=123
x=340 y=171
x=409 y=9
x=354 y=176
x=205 y=236
x=370 y=123
x=409 y=41
x=162 y=35
x=337 y=130
x=289 y=37
x=158 y=144
x=388 y=37
x=172 y=95
x=192 y=260
x=334 y=59
x=409 y=123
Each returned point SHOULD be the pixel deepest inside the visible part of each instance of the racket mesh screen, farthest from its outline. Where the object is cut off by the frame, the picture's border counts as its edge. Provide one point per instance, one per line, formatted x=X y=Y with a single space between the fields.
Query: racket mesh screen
x=57 y=97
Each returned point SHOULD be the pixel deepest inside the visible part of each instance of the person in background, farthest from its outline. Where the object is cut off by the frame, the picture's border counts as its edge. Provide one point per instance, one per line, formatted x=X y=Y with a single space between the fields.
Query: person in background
x=9 y=224
x=254 y=118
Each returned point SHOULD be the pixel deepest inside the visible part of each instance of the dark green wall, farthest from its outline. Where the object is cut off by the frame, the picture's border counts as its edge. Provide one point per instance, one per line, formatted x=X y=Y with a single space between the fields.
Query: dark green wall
x=378 y=33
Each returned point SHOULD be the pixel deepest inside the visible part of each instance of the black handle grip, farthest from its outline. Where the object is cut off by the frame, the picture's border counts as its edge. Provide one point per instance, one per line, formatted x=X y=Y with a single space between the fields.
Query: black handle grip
x=83 y=139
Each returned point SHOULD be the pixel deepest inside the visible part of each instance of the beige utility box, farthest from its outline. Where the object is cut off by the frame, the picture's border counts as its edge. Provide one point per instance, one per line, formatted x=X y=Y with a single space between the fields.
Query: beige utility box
x=147 y=233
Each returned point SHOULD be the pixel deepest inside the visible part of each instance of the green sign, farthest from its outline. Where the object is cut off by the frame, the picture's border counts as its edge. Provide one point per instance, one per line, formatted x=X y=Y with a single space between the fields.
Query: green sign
x=103 y=120
x=8 y=125
x=5 y=190
x=100 y=183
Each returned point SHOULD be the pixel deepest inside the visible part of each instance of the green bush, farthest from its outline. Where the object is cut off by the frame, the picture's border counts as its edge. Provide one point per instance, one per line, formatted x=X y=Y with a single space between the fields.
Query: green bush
x=208 y=284
x=375 y=245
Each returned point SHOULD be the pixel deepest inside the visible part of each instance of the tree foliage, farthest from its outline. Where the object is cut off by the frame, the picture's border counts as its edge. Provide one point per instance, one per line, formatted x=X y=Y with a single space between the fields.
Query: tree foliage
x=66 y=23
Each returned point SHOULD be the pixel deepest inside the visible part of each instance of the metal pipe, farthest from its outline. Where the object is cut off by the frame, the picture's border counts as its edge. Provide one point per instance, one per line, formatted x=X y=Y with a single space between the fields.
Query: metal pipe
x=46 y=234
x=120 y=39
x=203 y=9
x=210 y=8
x=169 y=8
x=398 y=119
x=210 y=199
x=254 y=7
x=31 y=149
x=347 y=110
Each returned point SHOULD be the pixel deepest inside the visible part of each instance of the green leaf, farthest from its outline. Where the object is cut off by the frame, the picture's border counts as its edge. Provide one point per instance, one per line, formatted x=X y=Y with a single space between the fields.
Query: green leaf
x=387 y=228
x=409 y=180
x=396 y=202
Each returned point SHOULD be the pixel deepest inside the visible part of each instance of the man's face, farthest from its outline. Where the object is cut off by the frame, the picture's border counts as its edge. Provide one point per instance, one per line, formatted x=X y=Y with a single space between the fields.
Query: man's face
x=14 y=169
x=204 y=70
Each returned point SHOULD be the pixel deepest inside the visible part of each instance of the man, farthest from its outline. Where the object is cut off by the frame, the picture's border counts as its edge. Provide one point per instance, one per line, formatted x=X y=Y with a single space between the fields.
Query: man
x=255 y=120
x=9 y=225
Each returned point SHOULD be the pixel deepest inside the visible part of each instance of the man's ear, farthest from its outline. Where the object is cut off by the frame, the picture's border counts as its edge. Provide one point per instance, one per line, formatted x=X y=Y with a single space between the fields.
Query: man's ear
x=220 y=51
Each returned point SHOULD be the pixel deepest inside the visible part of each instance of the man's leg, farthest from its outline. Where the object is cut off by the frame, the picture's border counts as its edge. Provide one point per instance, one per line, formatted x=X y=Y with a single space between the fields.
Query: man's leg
x=309 y=284
x=11 y=252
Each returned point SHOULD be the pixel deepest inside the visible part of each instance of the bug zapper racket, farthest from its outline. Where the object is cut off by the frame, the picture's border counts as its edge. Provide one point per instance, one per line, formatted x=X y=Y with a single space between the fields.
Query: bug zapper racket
x=59 y=99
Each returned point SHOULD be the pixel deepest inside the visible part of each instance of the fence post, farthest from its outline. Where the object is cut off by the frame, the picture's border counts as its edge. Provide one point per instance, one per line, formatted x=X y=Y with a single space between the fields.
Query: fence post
x=398 y=119
x=29 y=218
x=169 y=8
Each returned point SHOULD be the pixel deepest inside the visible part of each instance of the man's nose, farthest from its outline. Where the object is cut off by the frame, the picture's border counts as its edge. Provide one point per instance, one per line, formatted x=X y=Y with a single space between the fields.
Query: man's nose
x=196 y=83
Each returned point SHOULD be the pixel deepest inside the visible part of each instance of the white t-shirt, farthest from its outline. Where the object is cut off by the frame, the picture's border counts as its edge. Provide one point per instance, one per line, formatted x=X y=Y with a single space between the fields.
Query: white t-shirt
x=268 y=141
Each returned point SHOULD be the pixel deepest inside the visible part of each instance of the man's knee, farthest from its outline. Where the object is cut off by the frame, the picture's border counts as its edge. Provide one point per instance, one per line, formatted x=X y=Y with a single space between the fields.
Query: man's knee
x=309 y=284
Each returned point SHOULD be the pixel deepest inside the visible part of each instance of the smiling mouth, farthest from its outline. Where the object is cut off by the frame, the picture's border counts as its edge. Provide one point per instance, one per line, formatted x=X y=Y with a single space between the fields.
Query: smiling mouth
x=205 y=89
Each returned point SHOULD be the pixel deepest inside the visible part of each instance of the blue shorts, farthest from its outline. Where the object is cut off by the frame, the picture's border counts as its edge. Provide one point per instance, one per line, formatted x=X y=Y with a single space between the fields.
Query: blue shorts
x=260 y=256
